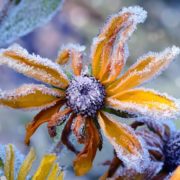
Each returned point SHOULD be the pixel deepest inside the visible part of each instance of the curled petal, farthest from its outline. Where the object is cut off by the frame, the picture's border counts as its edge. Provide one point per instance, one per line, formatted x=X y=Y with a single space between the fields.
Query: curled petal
x=78 y=126
x=75 y=53
x=33 y=66
x=143 y=70
x=144 y=102
x=30 y=97
x=176 y=174
x=83 y=162
x=123 y=22
x=26 y=165
x=126 y=144
x=66 y=133
x=56 y=120
x=42 y=117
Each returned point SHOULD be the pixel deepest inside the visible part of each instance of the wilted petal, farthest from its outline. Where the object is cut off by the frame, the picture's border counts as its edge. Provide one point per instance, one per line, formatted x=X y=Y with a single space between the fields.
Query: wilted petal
x=84 y=160
x=143 y=70
x=30 y=97
x=126 y=144
x=144 y=102
x=45 y=167
x=42 y=117
x=26 y=165
x=176 y=174
x=33 y=66
x=74 y=52
x=102 y=47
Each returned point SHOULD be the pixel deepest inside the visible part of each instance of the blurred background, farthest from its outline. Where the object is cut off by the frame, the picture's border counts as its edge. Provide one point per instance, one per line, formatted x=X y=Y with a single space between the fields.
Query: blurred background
x=79 y=22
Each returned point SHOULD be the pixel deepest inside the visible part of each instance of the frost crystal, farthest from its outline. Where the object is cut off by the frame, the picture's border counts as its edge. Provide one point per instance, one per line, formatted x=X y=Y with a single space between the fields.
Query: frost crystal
x=85 y=95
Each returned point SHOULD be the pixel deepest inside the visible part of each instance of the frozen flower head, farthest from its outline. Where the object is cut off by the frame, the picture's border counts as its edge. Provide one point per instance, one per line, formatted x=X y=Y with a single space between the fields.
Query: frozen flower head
x=16 y=166
x=172 y=152
x=83 y=100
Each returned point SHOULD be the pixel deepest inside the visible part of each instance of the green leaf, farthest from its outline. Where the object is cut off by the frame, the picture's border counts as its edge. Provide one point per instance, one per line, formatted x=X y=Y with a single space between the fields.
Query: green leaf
x=122 y=114
x=24 y=16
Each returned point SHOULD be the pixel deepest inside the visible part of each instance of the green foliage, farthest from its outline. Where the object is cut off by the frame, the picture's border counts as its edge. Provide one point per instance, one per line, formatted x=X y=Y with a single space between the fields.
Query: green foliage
x=1 y=163
x=23 y=16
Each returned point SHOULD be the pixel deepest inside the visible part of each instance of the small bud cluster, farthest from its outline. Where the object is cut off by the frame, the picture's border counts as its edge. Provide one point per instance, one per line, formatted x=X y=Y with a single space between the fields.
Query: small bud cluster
x=85 y=95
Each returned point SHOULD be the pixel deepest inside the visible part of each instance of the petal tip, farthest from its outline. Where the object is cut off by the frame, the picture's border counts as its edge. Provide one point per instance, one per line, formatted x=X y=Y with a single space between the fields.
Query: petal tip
x=139 y=14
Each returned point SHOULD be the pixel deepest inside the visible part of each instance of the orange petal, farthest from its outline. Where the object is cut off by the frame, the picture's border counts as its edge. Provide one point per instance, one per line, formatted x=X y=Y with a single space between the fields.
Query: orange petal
x=102 y=46
x=33 y=66
x=30 y=96
x=75 y=53
x=42 y=117
x=125 y=142
x=57 y=119
x=78 y=124
x=66 y=133
x=146 y=103
x=176 y=174
x=143 y=70
x=83 y=162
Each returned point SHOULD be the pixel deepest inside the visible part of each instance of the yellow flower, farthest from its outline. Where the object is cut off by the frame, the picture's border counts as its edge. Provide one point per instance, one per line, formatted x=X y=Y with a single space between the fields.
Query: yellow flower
x=84 y=99
x=17 y=167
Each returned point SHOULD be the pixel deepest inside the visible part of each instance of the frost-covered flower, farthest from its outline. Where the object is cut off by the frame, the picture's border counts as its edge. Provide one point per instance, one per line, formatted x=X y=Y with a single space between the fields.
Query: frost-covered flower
x=83 y=100
x=172 y=152
x=16 y=166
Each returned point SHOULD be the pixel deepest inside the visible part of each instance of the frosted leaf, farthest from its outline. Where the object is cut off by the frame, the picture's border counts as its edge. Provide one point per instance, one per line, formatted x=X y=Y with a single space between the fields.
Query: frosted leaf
x=33 y=66
x=146 y=103
x=25 y=17
x=30 y=96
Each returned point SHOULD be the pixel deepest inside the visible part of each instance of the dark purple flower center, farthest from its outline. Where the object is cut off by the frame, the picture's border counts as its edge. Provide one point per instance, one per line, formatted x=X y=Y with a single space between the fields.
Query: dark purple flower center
x=85 y=95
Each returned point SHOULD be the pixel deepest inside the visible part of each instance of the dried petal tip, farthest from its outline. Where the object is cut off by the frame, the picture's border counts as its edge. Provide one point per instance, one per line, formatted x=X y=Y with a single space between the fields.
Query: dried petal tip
x=139 y=13
x=172 y=152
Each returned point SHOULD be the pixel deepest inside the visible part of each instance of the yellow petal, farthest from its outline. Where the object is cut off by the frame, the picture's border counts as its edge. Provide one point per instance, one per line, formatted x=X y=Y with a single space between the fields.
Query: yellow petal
x=74 y=52
x=83 y=162
x=102 y=47
x=42 y=117
x=55 y=173
x=26 y=165
x=125 y=142
x=176 y=174
x=143 y=70
x=9 y=162
x=30 y=96
x=145 y=102
x=33 y=66
x=45 y=167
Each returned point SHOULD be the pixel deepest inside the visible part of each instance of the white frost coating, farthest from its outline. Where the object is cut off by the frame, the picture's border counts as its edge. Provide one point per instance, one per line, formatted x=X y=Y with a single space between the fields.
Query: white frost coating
x=165 y=58
x=142 y=110
x=137 y=15
x=76 y=47
x=31 y=58
x=28 y=89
